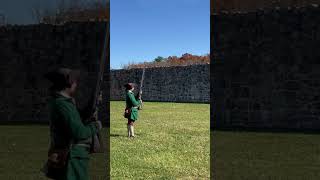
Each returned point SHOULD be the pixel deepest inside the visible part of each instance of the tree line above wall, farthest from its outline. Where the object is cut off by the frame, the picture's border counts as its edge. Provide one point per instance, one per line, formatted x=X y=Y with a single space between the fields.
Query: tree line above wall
x=184 y=60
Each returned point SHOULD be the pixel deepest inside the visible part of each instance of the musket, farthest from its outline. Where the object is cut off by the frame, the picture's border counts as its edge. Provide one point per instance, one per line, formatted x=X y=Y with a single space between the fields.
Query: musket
x=140 y=88
x=98 y=144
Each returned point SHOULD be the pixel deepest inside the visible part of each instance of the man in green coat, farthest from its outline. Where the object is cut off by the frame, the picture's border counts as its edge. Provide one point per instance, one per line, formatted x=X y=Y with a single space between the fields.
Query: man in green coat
x=132 y=105
x=68 y=154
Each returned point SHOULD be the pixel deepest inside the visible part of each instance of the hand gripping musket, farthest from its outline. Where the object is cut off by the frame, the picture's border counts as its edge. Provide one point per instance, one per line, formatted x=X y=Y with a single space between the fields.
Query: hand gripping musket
x=140 y=88
x=97 y=144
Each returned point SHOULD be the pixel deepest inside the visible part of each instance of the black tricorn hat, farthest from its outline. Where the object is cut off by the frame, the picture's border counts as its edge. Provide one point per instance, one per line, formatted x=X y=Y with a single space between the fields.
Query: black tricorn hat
x=62 y=77
x=129 y=86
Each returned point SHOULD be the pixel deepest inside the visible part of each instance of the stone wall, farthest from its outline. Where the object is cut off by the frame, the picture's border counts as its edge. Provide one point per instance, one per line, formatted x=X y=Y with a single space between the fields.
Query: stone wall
x=174 y=84
x=28 y=52
x=266 y=69
x=218 y=6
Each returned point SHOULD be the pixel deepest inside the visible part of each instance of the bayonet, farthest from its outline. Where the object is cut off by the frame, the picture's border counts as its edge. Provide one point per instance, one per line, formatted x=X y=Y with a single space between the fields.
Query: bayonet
x=141 y=82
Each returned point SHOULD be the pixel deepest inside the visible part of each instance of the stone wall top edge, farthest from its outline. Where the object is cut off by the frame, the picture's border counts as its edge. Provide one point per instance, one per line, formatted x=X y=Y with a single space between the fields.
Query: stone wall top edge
x=166 y=67
x=9 y=26
x=266 y=10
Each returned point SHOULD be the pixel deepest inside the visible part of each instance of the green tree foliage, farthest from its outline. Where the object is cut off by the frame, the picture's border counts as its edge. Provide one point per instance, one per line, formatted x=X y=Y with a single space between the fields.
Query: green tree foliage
x=159 y=59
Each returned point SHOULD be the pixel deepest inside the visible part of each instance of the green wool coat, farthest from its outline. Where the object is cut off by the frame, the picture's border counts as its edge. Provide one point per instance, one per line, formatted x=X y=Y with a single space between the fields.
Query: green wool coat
x=132 y=103
x=66 y=127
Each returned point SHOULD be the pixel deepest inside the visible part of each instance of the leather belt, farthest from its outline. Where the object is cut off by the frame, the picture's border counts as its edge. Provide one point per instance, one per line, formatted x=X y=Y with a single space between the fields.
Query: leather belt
x=84 y=145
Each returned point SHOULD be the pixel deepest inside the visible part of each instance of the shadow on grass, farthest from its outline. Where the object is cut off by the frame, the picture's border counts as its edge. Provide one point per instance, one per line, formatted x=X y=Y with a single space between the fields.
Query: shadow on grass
x=30 y=123
x=116 y=135
x=19 y=123
x=267 y=130
x=119 y=135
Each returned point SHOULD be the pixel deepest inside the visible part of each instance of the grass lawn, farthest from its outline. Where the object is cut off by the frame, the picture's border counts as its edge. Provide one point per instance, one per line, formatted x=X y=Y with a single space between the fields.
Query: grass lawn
x=173 y=142
x=23 y=151
x=266 y=156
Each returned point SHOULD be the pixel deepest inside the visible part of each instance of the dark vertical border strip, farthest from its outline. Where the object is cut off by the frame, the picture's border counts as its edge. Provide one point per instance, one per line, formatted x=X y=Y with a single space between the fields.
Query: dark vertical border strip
x=217 y=84
x=108 y=164
x=212 y=173
x=107 y=98
x=108 y=107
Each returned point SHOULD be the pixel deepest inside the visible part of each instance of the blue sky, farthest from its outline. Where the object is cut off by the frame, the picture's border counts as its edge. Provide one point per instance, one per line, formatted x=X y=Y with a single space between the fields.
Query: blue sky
x=141 y=30
x=20 y=11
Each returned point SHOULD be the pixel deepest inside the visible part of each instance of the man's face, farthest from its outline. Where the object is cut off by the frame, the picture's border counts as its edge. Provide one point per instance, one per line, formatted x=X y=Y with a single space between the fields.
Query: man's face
x=73 y=88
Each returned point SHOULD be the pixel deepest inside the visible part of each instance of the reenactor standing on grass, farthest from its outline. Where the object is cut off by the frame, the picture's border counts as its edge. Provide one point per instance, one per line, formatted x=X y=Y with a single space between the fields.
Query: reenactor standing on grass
x=68 y=154
x=132 y=107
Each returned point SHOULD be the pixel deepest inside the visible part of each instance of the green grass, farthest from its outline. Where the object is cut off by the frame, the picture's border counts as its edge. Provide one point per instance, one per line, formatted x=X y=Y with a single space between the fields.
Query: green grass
x=172 y=142
x=265 y=156
x=23 y=152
